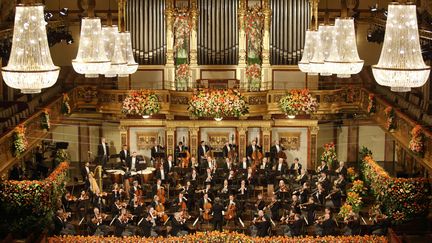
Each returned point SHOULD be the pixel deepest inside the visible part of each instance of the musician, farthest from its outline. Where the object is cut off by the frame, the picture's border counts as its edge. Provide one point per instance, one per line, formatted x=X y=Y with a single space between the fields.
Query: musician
x=274 y=150
x=157 y=186
x=148 y=223
x=208 y=178
x=326 y=224
x=124 y=154
x=242 y=191
x=303 y=177
x=132 y=162
x=231 y=177
x=103 y=152
x=310 y=207
x=274 y=206
x=228 y=165
x=252 y=148
x=169 y=165
x=335 y=196
x=244 y=164
x=265 y=164
x=194 y=163
x=250 y=178
x=138 y=207
x=261 y=225
x=96 y=224
x=85 y=173
x=341 y=170
x=218 y=218
x=281 y=190
x=320 y=194
x=117 y=192
x=352 y=224
x=202 y=151
x=296 y=166
x=205 y=199
x=295 y=204
x=193 y=178
x=281 y=168
x=178 y=202
x=61 y=227
x=189 y=194
x=161 y=173
x=260 y=204
x=178 y=225
x=227 y=149
x=323 y=167
x=179 y=149
x=155 y=150
x=117 y=206
x=341 y=183
x=231 y=204
x=324 y=180
x=303 y=192
x=293 y=225
x=121 y=223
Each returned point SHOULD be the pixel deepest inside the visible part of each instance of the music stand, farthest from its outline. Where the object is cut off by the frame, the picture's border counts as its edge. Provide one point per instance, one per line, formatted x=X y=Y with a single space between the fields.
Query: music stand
x=159 y=155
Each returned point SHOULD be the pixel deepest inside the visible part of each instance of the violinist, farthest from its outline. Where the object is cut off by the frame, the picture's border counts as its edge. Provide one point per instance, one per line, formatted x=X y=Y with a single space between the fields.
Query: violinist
x=274 y=207
x=61 y=226
x=303 y=177
x=121 y=223
x=335 y=196
x=296 y=166
x=68 y=199
x=138 y=207
x=261 y=225
x=303 y=192
x=323 y=167
x=320 y=194
x=148 y=224
x=218 y=218
x=96 y=225
x=310 y=207
x=281 y=190
x=294 y=226
x=83 y=200
x=117 y=192
x=326 y=224
x=274 y=151
x=260 y=204
x=295 y=204
x=117 y=207
x=179 y=224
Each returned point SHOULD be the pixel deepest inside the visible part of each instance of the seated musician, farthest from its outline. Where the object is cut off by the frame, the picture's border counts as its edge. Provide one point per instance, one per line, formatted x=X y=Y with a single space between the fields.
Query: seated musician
x=303 y=177
x=179 y=203
x=83 y=201
x=138 y=207
x=132 y=162
x=335 y=196
x=117 y=207
x=96 y=224
x=324 y=180
x=85 y=173
x=242 y=191
x=326 y=225
x=341 y=183
x=218 y=218
x=243 y=165
x=310 y=207
x=250 y=178
x=322 y=167
x=135 y=188
x=61 y=226
x=281 y=190
x=148 y=223
x=231 y=177
x=296 y=166
x=227 y=149
x=261 y=225
x=207 y=190
x=274 y=151
x=157 y=186
x=260 y=204
x=179 y=227
x=203 y=201
x=265 y=165
x=202 y=152
x=303 y=193
x=208 y=177
x=225 y=191
x=281 y=168
x=194 y=163
x=227 y=165
x=231 y=208
x=295 y=204
x=352 y=224
x=193 y=177
x=274 y=207
x=209 y=163
x=121 y=223
x=320 y=194
x=341 y=170
x=117 y=192
x=295 y=225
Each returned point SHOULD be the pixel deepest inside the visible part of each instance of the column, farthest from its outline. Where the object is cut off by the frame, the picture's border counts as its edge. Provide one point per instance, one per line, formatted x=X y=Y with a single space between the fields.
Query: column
x=193 y=45
x=170 y=140
x=241 y=68
x=312 y=161
x=242 y=141
x=193 y=142
x=266 y=142
x=353 y=137
x=169 y=66
x=266 y=77
x=124 y=135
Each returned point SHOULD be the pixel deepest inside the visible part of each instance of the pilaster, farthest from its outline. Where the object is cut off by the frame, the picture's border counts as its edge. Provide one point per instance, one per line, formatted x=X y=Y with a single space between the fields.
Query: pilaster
x=266 y=140
x=194 y=44
x=312 y=160
x=193 y=144
x=242 y=141
x=169 y=66
x=170 y=140
x=266 y=77
x=241 y=68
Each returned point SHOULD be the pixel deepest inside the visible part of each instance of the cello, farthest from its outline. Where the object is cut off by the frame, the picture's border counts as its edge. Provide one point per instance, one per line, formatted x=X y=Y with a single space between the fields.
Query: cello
x=161 y=194
x=207 y=211
x=231 y=211
x=160 y=211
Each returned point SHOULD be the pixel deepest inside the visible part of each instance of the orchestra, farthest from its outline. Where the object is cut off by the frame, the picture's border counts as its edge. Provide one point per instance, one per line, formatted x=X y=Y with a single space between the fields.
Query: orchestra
x=182 y=194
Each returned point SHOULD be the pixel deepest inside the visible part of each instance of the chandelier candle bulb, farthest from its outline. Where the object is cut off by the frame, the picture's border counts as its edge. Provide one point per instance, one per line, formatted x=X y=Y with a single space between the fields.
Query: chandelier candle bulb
x=91 y=59
x=308 y=52
x=401 y=65
x=113 y=50
x=126 y=46
x=322 y=50
x=343 y=58
x=30 y=66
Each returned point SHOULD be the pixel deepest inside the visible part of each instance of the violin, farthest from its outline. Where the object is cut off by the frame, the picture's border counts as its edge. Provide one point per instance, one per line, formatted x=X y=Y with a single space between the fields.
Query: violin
x=320 y=219
x=84 y=196
x=70 y=198
x=64 y=216
x=160 y=212
x=161 y=194
x=259 y=219
x=231 y=211
x=207 y=211
x=98 y=219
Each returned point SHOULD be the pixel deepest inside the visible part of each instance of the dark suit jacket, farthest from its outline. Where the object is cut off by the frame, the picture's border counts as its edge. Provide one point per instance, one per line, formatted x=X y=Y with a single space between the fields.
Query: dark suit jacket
x=84 y=173
x=123 y=156
x=217 y=212
x=262 y=228
x=100 y=152
x=119 y=227
x=225 y=150
x=328 y=227
x=299 y=167
x=176 y=227
x=129 y=163
x=249 y=150
x=201 y=151
x=296 y=227
x=153 y=151
x=283 y=170
x=58 y=225
x=146 y=227
x=273 y=151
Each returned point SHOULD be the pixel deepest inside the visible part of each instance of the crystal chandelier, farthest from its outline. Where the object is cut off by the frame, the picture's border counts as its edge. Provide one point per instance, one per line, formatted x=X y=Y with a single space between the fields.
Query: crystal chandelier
x=401 y=65
x=322 y=50
x=311 y=40
x=343 y=58
x=113 y=50
x=91 y=59
x=30 y=66
x=126 y=44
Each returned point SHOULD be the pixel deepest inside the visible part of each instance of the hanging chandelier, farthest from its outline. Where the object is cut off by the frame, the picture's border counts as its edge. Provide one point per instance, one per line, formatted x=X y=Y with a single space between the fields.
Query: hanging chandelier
x=401 y=65
x=91 y=59
x=343 y=58
x=30 y=66
x=311 y=41
x=113 y=50
x=126 y=43
x=322 y=50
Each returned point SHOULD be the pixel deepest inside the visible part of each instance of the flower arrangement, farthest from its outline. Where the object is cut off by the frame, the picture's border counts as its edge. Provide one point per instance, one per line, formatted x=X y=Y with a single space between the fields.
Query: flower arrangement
x=298 y=101
x=218 y=103
x=28 y=206
x=345 y=211
x=358 y=187
x=329 y=155
x=355 y=200
x=254 y=26
x=183 y=75
x=371 y=104
x=182 y=29
x=61 y=156
x=390 y=122
x=352 y=174
x=402 y=198
x=19 y=144
x=65 y=107
x=45 y=120
x=416 y=144
x=140 y=102
x=214 y=236
x=253 y=75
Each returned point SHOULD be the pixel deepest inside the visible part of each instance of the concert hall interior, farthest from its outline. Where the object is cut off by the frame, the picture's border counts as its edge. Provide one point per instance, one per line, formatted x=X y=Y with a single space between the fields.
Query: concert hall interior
x=215 y=120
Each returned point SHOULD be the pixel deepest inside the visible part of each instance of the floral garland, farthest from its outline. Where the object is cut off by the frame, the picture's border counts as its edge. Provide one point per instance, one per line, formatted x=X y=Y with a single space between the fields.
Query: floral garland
x=65 y=107
x=329 y=155
x=390 y=122
x=401 y=198
x=140 y=102
x=214 y=236
x=182 y=30
x=20 y=143
x=298 y=101
x=183 y=76
x=45 y=120
x=28 y=206
x=352 y=174
x=355 y=200
x=218 y=103
x=253 y=27
x=253 y=75
x=416 y=144
x=371 y=104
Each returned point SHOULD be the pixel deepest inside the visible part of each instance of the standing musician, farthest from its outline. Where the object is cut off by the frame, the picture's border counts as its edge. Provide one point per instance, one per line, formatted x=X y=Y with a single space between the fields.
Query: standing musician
x=124 y=155
x=155 y=150
x=85 y=173
x=227 y=149
x=96 y=224
x=203 y=150
x=218 y=218
x=169 y=165
x=179 y=149
x=261 y=225
x=296 y=166
x=274 y=151
x=162 y=173
x=252 y=148
x=103 y=153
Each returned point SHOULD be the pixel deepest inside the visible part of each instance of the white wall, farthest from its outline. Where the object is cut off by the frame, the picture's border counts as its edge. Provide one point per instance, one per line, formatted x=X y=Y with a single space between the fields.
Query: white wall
x=111 y=132
x=69 y=134
x=342 y=143
x=325 y=135
x=373 y=137
x=204 y=133
x=182 y=134
x=133 y=138
x=253 y=133
x=302 y=153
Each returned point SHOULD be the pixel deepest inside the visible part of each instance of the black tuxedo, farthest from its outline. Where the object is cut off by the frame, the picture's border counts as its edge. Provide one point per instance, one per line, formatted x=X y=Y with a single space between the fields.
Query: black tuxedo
x=299 y=167
x=129 y=163
x=177 y=226
x=146 y=227
x=275 y=210
x=159 y=174
x=156 y=149
x=201 y=151
x=103 y=155
x=262 y=228
x=225 y=150
x=249 y=150
x=124 y=155
x=241 y=166
x=85 y=176
x=328 y=227
x=119 y=227
x=274 y=151
x=343 y=171
x=59 y=225
x=296 y=227
x=225 y=166
x=283 y=170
